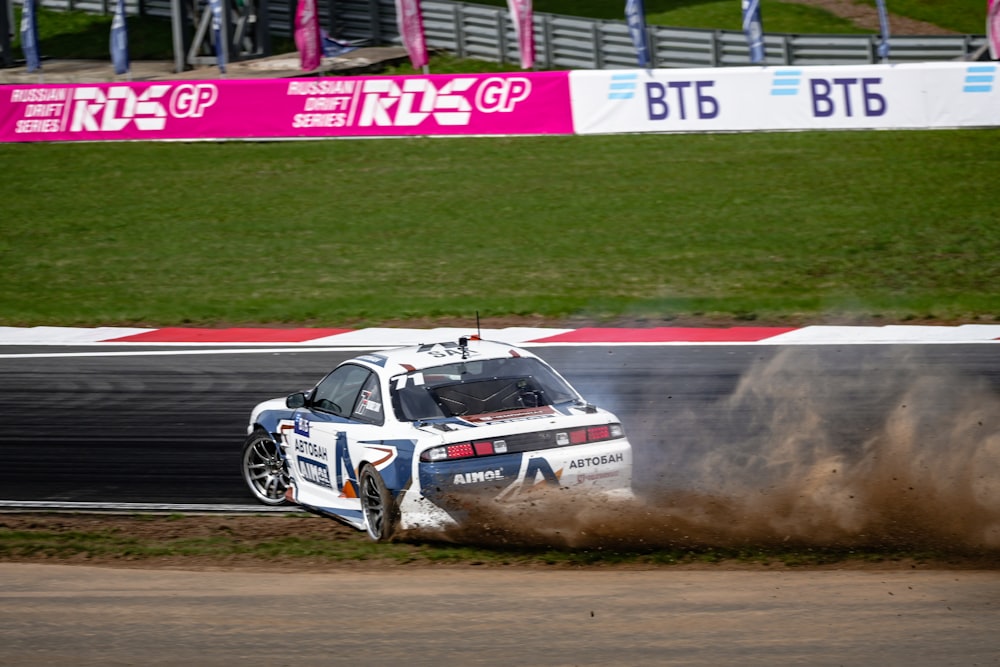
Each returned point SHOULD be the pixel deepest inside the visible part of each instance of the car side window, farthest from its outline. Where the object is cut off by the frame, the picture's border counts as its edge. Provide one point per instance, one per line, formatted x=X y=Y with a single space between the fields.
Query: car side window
x=338 y=392
x=369 y=404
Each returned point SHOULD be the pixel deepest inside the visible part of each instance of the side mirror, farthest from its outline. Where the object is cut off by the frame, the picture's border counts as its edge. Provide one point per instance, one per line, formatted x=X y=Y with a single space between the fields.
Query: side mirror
x=296 y=400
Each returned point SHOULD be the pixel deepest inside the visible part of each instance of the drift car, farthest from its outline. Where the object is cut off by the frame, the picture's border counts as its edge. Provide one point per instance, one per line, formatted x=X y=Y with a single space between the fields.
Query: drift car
x=397 y=439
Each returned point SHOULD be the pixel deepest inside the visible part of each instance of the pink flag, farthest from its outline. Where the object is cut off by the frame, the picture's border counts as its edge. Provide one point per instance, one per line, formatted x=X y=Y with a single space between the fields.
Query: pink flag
x=524 y=27
x=993 y=27
x=411 y=29
x=307 y=35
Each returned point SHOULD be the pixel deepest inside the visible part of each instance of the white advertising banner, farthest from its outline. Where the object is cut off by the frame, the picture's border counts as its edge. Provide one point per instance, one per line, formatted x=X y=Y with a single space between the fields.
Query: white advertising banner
x=922 y=95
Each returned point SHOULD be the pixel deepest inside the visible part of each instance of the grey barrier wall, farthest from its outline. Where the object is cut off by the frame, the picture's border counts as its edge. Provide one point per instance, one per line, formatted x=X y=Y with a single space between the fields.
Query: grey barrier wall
x=93 y=6
x=566 y=42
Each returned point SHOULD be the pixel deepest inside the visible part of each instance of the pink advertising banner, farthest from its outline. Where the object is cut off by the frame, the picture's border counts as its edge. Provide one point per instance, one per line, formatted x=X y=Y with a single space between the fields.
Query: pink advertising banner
x=383 y=106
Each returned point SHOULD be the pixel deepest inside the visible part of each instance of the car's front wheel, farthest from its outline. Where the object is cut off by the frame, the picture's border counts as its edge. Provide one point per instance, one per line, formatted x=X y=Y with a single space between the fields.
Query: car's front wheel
x=381 y=513
x=264 y=468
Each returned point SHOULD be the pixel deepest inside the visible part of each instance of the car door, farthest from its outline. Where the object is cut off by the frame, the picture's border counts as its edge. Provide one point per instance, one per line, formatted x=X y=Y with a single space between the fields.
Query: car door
x=342 y=409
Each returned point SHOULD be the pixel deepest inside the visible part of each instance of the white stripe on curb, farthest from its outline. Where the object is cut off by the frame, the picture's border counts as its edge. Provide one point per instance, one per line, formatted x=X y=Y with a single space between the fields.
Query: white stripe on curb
x=831 y=335
x=187 y=508
x=63 y=335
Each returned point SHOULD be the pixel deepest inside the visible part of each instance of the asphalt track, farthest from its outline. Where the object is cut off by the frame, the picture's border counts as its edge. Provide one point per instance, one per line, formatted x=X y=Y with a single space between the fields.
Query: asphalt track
x=155 y=424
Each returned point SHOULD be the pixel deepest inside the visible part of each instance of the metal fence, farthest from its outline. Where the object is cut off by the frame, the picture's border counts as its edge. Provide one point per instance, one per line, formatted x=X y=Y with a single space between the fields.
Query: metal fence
x=92 y=6
x=565 y=42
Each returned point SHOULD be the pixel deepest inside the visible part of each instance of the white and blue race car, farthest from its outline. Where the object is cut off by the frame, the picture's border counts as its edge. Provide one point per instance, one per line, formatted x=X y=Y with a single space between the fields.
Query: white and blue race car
x=402 y=439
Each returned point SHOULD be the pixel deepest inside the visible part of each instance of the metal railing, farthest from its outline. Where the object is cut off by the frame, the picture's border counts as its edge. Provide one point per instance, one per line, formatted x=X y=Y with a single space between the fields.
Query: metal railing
x=566 y=42
x=91 y=6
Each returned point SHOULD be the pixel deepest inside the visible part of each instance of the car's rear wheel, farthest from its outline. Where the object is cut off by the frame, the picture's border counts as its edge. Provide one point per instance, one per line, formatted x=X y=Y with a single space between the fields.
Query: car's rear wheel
x=263 y=468
x=381 y=513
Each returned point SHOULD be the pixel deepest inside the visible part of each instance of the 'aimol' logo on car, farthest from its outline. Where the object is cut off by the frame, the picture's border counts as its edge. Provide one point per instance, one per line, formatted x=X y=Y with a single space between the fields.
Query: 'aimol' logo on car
x=315 y=472
x=478 y=477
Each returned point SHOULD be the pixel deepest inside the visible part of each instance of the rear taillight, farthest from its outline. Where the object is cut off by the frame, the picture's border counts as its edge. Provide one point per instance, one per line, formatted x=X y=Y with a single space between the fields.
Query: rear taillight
x=598 y=433
x=464 y=450
x=459 y=451
x=475 y=448
x=580 y=436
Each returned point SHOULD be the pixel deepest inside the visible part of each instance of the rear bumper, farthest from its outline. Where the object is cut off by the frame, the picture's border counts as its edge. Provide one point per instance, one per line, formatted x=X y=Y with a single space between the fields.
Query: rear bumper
x=593 y=468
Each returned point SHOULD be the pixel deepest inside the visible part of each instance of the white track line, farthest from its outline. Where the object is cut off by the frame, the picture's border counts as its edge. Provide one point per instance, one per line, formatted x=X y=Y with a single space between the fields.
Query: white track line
x=174 y=353
x=66 y=506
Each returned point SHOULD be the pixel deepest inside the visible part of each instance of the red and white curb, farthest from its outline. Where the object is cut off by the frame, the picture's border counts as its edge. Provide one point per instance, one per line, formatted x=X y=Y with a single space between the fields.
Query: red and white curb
x=379 y=337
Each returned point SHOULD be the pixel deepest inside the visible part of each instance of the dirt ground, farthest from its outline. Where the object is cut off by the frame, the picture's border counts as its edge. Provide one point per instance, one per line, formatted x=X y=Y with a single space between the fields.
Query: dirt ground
x=865 y=16
x=211 y=611
x=94 y=616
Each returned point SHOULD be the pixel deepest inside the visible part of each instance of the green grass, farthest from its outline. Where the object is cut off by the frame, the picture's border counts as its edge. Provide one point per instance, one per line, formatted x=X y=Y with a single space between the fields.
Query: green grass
x=891 y=225
x=159 y=541
x=966 y=16
x=445 y=63
x=710 y=14
x=79 y=35
x=768 y=227
x=725 y=15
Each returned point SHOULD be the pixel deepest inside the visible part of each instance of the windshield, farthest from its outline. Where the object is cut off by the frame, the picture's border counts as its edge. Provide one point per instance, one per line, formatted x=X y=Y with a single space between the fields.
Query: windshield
x=476 y=387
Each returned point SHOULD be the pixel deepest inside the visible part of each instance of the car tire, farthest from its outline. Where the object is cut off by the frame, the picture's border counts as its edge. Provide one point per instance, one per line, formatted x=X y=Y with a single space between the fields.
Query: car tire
x=378 y=505
x=264 y=468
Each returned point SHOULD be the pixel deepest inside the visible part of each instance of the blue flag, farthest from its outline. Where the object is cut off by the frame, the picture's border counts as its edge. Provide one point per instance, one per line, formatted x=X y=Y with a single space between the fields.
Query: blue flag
x=635 y=17
x=335 y=47
x=119 y=39
x=220 y=48
x=29 y=36
x=754 y=30
x=883 y=21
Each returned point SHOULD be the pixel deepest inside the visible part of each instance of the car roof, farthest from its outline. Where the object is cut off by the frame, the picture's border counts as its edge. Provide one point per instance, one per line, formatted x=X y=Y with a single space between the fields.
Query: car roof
x=419 y=357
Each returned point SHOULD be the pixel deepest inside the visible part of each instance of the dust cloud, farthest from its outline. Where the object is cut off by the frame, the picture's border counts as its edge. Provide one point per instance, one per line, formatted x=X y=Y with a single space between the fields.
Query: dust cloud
x=882 y=451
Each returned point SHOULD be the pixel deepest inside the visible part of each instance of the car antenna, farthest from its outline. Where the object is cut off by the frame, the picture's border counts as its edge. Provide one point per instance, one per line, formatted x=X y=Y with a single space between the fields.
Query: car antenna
x=463 y=342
